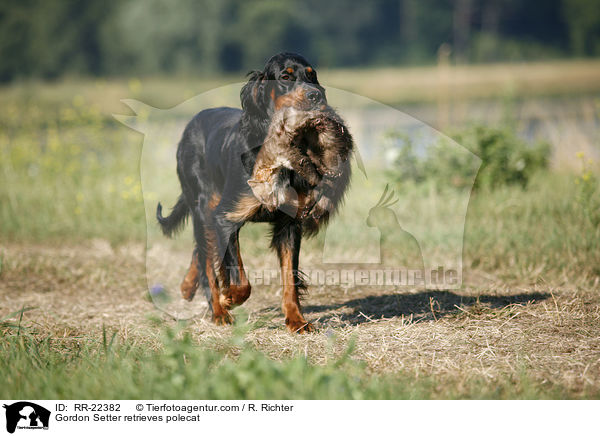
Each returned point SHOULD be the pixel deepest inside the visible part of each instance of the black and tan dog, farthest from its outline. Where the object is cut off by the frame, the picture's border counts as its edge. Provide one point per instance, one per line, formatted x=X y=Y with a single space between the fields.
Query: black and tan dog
x=216 y=160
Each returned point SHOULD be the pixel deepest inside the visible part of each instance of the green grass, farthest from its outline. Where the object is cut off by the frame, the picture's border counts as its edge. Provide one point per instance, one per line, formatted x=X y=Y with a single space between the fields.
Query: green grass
x=542 y=232
x=69 y=172
x=104 y=367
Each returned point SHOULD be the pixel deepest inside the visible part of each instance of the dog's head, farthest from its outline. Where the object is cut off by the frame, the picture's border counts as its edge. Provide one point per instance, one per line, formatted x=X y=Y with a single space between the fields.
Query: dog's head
x=287 y=80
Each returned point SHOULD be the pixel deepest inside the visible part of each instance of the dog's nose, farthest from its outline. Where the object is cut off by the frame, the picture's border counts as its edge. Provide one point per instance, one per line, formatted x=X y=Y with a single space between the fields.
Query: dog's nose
x=314 y=96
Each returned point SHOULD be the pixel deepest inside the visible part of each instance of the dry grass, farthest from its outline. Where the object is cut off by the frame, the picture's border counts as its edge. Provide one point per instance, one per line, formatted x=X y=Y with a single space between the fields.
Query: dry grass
x=485 y=331
x=395 y=85
x=530 y=303
x=390 y=85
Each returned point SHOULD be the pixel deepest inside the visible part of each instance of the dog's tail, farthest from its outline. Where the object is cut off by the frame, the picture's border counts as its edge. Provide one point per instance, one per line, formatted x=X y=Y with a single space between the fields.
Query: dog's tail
x=173 y=223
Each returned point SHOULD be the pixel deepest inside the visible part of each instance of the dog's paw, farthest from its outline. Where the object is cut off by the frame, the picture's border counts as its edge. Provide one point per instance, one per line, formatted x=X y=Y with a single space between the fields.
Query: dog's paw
x=299 y=326
x=223 y=318
x=188 y=289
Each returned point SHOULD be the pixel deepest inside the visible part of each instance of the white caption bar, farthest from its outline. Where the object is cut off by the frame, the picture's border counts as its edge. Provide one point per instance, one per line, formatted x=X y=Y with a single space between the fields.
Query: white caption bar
x=33 y=417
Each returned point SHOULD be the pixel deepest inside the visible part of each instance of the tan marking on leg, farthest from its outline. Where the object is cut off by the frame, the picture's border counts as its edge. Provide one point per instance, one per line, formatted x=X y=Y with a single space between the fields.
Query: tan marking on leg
x=291 y=304
x=240 y=292
x=190 y=283
x=220 y=314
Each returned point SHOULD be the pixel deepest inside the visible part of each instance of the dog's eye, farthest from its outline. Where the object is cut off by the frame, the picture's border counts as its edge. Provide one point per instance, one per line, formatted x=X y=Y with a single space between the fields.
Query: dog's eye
x=287 y=77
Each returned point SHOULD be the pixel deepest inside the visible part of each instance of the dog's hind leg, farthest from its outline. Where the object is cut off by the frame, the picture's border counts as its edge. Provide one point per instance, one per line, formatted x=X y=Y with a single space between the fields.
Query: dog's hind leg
x=190 y=282
x=196 y=274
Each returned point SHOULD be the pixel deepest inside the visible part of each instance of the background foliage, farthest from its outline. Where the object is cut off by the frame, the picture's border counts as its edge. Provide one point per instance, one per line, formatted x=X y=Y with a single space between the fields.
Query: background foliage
x=52 y=38
x=506 y=159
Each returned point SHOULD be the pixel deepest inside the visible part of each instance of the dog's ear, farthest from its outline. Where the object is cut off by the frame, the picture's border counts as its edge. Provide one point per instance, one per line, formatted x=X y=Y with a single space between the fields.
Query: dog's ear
x=252 y=95
x=256 y=107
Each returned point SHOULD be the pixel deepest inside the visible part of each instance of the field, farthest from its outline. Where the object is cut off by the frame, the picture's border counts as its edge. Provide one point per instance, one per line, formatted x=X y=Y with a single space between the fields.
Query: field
x=76 y=320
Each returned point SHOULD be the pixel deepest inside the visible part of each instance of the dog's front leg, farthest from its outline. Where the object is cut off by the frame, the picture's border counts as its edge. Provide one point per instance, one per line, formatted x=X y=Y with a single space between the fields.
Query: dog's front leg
x=286 y=241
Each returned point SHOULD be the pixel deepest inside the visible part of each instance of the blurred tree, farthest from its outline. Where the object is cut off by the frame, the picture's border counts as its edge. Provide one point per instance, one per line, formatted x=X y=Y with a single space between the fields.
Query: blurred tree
x=462 y=28
x=54 y=37
x=152 y=36
x=267 y=27
x=583 y=18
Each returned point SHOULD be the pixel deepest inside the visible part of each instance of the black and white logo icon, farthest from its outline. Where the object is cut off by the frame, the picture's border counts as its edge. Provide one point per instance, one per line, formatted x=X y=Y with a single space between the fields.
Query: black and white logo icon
x=26 y=415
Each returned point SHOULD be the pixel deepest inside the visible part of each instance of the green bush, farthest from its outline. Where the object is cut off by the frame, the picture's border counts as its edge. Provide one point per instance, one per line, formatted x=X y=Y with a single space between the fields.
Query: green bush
x=506 y=159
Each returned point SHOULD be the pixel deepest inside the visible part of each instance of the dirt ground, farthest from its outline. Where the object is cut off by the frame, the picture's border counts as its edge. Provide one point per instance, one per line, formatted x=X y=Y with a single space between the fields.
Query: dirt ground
x=487 y=329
